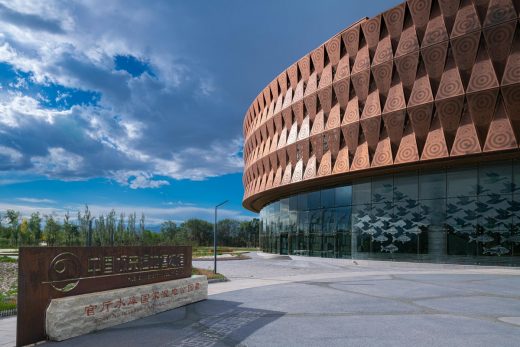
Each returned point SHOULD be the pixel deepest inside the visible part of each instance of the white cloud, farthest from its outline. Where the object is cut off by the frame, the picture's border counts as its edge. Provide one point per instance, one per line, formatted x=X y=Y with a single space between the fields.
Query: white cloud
x=58 y=161
x=10 y=154
x=36 y=200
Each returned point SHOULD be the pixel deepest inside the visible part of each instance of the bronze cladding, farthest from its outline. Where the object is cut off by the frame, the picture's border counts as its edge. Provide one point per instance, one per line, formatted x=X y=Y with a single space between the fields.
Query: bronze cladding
x=426 y=82
x=46 y=273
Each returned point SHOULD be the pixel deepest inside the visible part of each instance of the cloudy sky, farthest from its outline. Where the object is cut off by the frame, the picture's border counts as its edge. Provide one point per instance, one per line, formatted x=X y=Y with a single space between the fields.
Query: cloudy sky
x=138 y=105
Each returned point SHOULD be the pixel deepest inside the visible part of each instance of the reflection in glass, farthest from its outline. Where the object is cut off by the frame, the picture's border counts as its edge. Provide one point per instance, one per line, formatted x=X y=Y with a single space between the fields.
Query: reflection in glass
x=468 y=215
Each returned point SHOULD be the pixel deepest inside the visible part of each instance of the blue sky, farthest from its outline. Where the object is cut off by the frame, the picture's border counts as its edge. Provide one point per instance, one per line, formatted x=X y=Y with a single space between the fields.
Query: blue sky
x=138 y=105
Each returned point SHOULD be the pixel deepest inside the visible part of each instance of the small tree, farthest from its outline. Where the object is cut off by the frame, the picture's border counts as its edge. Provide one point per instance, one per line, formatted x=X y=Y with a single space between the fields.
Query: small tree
x=35 y=227
x=51 y=230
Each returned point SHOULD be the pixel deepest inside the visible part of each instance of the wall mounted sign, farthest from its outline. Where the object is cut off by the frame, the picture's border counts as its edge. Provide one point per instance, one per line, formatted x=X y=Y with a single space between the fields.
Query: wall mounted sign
x=46 y=273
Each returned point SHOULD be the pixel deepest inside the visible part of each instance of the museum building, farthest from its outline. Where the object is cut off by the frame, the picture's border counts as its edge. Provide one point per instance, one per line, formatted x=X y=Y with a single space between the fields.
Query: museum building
x=396 y=139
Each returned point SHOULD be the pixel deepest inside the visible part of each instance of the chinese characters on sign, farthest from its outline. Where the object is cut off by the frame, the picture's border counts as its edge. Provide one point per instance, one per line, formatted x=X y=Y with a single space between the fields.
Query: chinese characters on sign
x=143 y=299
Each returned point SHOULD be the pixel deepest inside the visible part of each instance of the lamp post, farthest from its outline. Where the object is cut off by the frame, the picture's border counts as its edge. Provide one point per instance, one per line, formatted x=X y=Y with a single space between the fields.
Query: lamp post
x=215 y=238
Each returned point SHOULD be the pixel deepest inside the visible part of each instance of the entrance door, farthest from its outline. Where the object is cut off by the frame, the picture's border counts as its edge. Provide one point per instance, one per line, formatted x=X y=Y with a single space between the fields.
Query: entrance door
x=284 y=243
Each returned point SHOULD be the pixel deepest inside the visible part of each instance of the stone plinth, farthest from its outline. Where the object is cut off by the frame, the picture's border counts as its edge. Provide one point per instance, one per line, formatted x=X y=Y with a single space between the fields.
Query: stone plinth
x=82 y=314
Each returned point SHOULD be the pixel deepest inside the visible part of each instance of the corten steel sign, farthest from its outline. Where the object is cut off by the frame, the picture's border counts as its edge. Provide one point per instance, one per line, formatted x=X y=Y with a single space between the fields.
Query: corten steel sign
x=46 y=273
x=427 y=81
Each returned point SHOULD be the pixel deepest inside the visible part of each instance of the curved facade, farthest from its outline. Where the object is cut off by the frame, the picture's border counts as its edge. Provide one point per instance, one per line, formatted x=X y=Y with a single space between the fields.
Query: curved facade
x=429 y=87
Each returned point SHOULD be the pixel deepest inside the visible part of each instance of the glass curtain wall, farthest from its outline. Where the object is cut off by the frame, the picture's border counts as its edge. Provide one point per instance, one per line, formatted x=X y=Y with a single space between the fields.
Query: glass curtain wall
x=458 y=215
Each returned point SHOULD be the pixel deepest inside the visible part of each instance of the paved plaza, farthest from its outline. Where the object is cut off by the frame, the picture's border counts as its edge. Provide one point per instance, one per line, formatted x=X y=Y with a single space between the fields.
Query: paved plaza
x=277 y=301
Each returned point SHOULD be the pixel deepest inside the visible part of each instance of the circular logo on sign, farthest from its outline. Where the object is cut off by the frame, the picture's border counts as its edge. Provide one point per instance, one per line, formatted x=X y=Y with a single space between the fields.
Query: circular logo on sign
x=65 y=272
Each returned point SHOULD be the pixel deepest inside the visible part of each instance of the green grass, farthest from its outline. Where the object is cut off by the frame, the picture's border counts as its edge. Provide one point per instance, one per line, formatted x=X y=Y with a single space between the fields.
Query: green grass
x=4 y=259
x=208 y=273
x=205 y=251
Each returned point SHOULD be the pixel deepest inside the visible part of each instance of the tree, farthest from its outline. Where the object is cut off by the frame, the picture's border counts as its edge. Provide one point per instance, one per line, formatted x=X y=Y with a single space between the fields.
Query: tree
x=51 y=231
x=25 y=236
x=199 y=231
x=168 y=231
x=68 y=230
x=35 y=227
x=111 y=228
x=13 y=218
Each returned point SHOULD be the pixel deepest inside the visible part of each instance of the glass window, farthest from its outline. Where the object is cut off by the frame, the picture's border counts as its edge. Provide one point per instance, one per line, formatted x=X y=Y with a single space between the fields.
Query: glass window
x=495 y=178
x=461 y=214
x=433 y=214
x=327 y=198
x=494 y=212
x=303 y=221
x=303 y=202
x=343 y=196
x=462 y=182
x=293 y=203
x=275 y=207
x=314 y=200
x=406 y=186
x=343 y=219
x=315 y=221
x=361 y=192
x=293 y=222
x=432 y=185
x=329 y=221
x=361 y=217
x=382 y=189
x=284 y=206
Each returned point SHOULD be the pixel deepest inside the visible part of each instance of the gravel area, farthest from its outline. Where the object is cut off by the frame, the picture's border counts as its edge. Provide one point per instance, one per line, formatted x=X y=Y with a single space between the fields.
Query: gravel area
x=8 y=276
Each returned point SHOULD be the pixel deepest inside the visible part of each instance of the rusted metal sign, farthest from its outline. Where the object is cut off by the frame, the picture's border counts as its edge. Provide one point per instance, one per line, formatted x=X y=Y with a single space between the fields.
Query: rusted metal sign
x=46 y=273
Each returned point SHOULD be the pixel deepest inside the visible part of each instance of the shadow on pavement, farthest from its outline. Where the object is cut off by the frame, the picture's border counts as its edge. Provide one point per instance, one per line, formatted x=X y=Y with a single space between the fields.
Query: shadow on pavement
x=206 y=323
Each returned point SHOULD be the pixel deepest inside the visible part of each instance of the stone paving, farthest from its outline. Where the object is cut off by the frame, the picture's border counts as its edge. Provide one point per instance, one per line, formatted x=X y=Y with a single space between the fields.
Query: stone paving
x=334 y=302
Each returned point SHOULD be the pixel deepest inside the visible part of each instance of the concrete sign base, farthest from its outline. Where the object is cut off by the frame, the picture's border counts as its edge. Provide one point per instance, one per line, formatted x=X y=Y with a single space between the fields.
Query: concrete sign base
x=82 y=314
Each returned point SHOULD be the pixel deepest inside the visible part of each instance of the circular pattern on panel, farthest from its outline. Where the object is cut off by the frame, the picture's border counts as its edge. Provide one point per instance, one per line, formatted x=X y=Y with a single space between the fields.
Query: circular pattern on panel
x=409 y=44
x=511 y=75
x=512 y=98
x=435 y=147
x=298 y=172
x=449 y=111
x=485 y=80
x=407 y=153
x=396 y=102
x=341 y=87
x=464 y=48
x=324 y=169
x=360 y=162
x=383 y=157
x=383 y=74
x=419 y=97
x=449 y=88
x=499 y=137
x=351 y=36
x=384 y=54
x=333 y=122
x=417 y=6
x=333 y=46
x=467 y=142
x=394 y=16
x=485 y=101
x=498 y=14
x=341 y=163
x=465 y=24
x=435 y=36
x=433 y=58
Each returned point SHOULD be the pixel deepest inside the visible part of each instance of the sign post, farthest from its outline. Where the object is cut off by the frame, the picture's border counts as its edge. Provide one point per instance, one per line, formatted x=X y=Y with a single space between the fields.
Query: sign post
x=46 y=273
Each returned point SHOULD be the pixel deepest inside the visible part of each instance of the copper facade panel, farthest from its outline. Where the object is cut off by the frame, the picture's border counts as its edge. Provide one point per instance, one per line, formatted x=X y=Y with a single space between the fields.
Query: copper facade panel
x=425 y=80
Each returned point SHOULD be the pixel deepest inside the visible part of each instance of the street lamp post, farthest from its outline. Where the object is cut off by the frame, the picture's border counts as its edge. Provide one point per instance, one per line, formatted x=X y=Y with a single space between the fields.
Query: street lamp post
x=215 y=238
